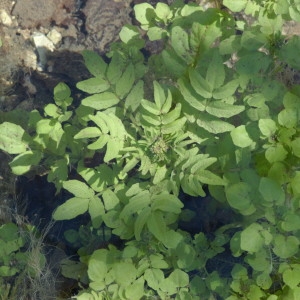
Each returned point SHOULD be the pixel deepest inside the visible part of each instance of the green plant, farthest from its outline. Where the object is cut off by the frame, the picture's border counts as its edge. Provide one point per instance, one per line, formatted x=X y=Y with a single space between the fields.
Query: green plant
x=22 y=263
x=214 y=114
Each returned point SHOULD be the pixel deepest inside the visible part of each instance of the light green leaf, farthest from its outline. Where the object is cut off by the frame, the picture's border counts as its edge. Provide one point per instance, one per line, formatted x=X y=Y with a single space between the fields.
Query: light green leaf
x=172 y=115
x=291 y=277
x=160 y=174
x=179 y=278
x=114 y=146
x=173 y=126
x=162 y=11
x=251 y=238
x=125 y=83
x=213 y=124
x=200 y=85
x=94 y=63
x=174 y=64
x=135 y=205
x=157 y=226
x=110 y=199
x=97 y=266
x=264 y=280
x=238 y=195
x=159 y=95
x=240 y=137
x=11 y=138
x=223 y=110
x=144 y=13
x=180 y=42
x=71 y=209
x=93 y=85
x=235 y=5
x=267 y=127
x=99 y=143
x=96 y=211
x=288 y=117
x=166 y=202
x=271 y=191
x=128 y=33
x=140 y=222
x=24 y=161
x=150 y=107
x=291 y=222
x=62 y=95
x=189 y=95
x=135 y=291
x=124 y=273
x=154 y=277
x=157 y=261
x=276 y=153
x=173 y=239
x=215 y=75
x=150 y=120
x=133 y=99
x=285 y=246
x=296 y=146
x=52 y=110
x=101 y=101
x=88 y=132
x=207 y=177
x=78 y=189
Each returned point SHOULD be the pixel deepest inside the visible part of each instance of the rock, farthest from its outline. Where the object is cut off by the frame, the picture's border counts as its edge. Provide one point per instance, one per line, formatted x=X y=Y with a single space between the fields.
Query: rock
x=5 y=19
x=45 y=12
x=43 y=45
x=104 y=20
x=54 y=36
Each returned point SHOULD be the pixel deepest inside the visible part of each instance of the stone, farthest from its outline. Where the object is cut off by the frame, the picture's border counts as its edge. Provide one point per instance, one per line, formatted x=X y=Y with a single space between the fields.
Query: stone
x=45 y=12
x=104 y=20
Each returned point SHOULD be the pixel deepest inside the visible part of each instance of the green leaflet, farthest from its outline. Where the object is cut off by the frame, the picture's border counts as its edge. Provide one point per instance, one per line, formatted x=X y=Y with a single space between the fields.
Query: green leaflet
x=94 y=63
x=167 y=203
x=215 y=75
x=141 y=221
x=135 y=205
x=125 y=83
x=111 y=133
x=86 y=133
x=223 y=110
x=101 y=101
x=251 y=238
x=110 y=199
x=78 y=189
x=11 y=138
x=71 y=208
x=240 y=137
x=180 y=42
x=96 y=211
x=201 y=86
x=189 y=95
x=62 y=95
x=235 y=5
x=22 y=163
x=213 y=124
x=157 y=226
x=239 y=196
x=93 y=85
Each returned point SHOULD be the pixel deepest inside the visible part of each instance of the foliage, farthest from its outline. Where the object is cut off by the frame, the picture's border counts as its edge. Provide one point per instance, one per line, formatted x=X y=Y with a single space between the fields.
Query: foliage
x=214 y=114
x=21 y=261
